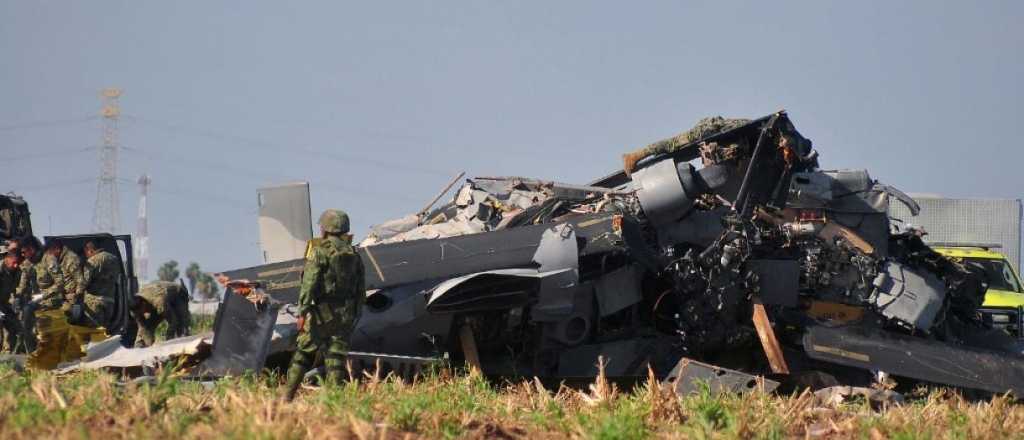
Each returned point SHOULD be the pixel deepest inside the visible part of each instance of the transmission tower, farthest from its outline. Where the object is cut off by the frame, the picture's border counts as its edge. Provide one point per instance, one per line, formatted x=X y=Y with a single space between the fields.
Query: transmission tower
x=106 y=213
x=142 y=234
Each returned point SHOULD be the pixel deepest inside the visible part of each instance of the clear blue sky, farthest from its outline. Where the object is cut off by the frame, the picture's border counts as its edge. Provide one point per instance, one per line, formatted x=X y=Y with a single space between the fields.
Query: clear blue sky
x=378 y=104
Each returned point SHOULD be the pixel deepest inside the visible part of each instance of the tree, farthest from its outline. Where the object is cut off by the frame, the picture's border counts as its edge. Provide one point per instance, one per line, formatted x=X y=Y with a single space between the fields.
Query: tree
x=168 y=271
x=192 y=273
x=207 y=286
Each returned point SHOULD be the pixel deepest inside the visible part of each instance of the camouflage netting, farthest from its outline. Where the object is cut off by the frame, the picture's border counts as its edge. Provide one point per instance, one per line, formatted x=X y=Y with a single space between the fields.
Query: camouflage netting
x=704 y=128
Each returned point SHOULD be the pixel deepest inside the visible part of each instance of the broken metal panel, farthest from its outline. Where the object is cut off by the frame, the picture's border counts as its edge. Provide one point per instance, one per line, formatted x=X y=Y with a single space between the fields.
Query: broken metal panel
x=913 y=298
x=699 y=228
x=623 y=358
x=778 y=281
x=810 y=189
x=110 y=353
x=916 y=358
x=559 y=293
x=400 y=263
x=617 y=290
x=395 y=320
x=285 y=222
x=563 y=298
x=242 y=334
x=504 y=186
x=690 y=376
x=280 y=280
x=394 y=264
x=491 y=290
x=557 y=249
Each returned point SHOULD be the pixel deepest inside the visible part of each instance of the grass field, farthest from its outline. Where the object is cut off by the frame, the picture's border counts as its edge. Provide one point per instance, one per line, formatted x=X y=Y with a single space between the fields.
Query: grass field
x=446 y=405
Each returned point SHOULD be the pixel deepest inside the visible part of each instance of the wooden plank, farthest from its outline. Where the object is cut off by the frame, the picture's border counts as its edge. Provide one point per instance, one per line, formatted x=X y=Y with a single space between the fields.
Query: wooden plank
x=771 y=346
x=469 y=349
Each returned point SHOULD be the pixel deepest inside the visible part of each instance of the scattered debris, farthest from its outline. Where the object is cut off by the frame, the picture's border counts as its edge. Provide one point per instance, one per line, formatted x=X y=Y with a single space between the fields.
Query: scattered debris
x=839 y=394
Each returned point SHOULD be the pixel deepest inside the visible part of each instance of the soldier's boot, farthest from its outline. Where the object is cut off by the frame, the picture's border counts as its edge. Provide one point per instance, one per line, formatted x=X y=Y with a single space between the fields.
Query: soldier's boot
x=629 y=161
x=296 y=372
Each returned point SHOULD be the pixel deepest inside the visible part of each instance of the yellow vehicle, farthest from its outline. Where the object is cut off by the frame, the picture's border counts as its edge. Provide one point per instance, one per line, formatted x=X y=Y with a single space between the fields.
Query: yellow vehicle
x=1004 y=299
x=1004 y=288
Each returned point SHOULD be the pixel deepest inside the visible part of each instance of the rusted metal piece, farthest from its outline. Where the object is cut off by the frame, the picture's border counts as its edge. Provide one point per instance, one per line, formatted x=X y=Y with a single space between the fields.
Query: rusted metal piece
x=690 y=376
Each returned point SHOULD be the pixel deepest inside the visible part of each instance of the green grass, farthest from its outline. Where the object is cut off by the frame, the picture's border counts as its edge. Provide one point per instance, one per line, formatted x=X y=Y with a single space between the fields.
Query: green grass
x=448 y=404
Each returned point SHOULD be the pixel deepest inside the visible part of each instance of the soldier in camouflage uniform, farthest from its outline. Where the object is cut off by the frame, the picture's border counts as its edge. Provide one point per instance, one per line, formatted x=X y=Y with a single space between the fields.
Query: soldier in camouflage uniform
x=60 y=312
x=331 y=295
x=157 y=302
x=100 y=275
x=28 y=287
x=9 y=275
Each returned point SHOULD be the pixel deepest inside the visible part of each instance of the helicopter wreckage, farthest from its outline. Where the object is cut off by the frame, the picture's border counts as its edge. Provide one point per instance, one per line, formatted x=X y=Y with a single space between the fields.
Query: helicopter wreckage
x=722 y=254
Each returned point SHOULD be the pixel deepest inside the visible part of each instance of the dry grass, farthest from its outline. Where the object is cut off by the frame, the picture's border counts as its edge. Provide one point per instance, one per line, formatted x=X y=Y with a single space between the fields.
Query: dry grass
x=93 y=405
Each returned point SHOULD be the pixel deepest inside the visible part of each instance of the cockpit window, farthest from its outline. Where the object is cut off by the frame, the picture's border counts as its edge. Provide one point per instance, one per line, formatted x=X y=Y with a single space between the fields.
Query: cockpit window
x=999 y=273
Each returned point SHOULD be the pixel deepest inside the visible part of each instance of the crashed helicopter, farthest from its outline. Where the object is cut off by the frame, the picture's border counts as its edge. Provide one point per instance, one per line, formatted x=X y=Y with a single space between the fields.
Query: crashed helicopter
x=722 y=254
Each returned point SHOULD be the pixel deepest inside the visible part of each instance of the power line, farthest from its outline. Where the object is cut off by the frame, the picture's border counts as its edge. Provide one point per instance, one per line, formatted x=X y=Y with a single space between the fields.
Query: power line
x=45 y=154
x=260 y=177
x=47 y=123
x=53 y=185
x=193 y=194
x=278 y=147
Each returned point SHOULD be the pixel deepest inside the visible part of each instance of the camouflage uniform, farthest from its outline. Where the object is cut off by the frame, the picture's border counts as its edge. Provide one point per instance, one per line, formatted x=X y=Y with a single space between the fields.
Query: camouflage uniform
x=50 y=282
x=331 y=295
x=100 y=277
x=170 y=302
x=8 y=284
x=23 y=293
x=60 y=281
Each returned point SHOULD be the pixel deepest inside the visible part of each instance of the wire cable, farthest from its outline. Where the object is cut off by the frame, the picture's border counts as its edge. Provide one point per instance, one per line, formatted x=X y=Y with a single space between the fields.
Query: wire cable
x=49 y=123
x=193 y=194
x=278 y=147
x=45 y=154
x=264 y=178
x=53 y=185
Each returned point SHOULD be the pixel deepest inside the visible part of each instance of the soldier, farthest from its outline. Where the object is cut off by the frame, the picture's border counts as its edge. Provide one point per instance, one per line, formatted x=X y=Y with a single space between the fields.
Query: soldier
x=27 y=288
x=157 y=302
x=52 y=328
x=60 y=311
x=9 y=275
x=330 y=297
x=100 y=276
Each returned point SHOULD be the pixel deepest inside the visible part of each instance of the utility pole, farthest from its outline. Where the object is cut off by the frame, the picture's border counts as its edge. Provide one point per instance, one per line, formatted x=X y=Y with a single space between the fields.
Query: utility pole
x=107 y=213
x=142 y=234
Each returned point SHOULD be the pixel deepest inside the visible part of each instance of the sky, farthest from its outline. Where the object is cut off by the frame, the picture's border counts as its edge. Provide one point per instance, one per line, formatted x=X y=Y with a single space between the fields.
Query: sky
x=379 y=104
